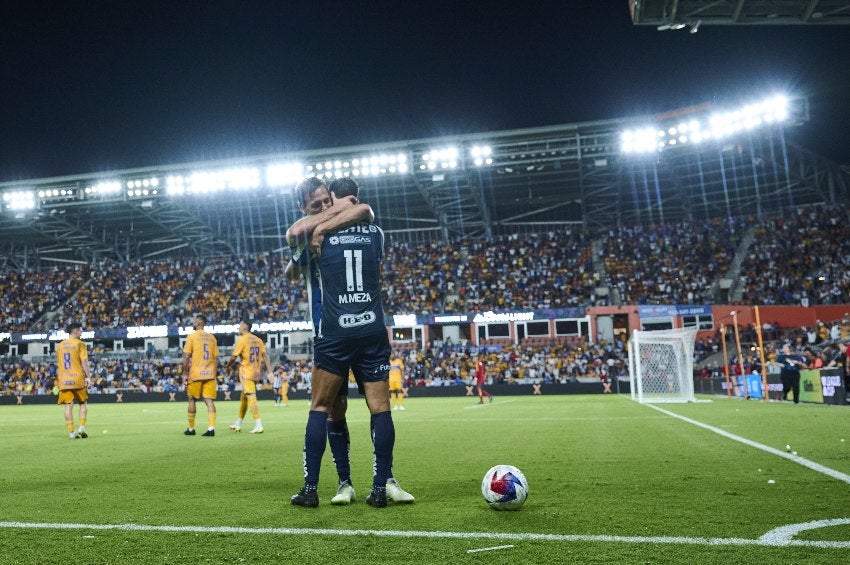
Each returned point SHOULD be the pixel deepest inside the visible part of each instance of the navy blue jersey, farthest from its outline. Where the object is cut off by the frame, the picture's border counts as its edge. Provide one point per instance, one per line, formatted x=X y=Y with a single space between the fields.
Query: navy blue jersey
x=350 y=279
x=787 y=365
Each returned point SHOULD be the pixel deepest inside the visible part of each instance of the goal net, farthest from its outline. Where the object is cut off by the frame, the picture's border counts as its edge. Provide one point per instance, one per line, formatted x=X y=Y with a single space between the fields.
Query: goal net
x=661 y=365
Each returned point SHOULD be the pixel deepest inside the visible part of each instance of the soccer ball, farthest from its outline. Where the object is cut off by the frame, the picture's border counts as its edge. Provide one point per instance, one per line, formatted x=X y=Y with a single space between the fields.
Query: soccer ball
x=504 y=488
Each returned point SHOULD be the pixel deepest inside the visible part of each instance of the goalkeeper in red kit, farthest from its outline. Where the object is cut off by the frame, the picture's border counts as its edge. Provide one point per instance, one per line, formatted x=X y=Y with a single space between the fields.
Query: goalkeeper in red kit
x=480 y=377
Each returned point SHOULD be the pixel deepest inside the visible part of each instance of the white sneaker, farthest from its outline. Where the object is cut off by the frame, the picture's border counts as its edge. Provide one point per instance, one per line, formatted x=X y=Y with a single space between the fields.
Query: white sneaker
x=256 y=431
x=235 y=428
x=401 y=407
x=395 y=407
x=398 y=494
x=73 y=435
x=344 y=494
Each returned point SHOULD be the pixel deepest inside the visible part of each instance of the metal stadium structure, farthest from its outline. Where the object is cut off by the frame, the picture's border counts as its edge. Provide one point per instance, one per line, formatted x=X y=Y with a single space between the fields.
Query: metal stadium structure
x=678 y=14
x=697 y=162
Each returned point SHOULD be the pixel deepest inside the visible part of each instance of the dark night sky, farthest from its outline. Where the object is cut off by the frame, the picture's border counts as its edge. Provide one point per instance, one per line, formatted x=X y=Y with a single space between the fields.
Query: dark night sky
x=93 y=86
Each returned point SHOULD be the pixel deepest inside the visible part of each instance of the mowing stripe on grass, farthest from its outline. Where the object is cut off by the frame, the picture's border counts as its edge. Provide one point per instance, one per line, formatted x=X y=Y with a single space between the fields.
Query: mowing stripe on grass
x=775 y=538
x=790 y=456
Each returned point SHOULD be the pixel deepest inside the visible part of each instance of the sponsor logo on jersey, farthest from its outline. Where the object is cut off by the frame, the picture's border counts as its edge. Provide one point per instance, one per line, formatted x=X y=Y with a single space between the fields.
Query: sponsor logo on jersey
x=354 y=297
x=354 y=320
x=349 y=239
x=361 y=228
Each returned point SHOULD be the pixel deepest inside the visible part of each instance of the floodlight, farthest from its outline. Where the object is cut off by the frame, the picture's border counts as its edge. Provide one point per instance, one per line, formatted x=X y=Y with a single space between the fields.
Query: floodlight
x=446 y=158
x=19 y=200
x=283 y=174
x=642 y=140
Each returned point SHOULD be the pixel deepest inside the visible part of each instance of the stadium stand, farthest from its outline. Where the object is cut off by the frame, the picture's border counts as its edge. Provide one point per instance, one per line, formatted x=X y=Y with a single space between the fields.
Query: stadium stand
x=803 y=259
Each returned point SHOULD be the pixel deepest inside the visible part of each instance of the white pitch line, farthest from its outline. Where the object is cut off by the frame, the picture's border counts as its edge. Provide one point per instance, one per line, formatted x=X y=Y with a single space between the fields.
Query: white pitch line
x=786 y=533
x=790 y=456
x=489 y=548
x=477 y=406
x=772 y=541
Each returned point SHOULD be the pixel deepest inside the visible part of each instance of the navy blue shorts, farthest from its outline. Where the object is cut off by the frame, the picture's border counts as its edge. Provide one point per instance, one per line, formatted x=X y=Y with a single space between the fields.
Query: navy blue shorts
x=367 y=357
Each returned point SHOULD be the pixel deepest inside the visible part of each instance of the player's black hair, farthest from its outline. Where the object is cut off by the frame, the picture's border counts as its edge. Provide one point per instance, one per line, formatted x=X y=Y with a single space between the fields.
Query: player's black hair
x=344 y=186
x=74 y=325
x=201 y=317
x=307 y=187
x=246 y=321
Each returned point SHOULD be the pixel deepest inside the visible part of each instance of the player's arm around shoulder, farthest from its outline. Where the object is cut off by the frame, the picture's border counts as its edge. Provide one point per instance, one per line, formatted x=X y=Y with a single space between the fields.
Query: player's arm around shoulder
x=356 y=214
x=304 y=227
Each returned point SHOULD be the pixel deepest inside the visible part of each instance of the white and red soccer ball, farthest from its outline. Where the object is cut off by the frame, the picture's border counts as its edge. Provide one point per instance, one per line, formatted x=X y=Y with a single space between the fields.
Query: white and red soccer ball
x=504 y=488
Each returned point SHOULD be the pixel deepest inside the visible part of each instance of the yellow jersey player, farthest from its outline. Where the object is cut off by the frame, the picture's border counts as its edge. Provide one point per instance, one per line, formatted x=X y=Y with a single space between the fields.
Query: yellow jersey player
x=397 y=382
x=280 y=386
x=73 y=377
x=252 y=352
x=200 y=363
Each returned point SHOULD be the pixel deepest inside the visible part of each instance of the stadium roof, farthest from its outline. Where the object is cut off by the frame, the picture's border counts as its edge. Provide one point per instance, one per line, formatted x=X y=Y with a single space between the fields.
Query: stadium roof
x=470 y=186
x=677 y=14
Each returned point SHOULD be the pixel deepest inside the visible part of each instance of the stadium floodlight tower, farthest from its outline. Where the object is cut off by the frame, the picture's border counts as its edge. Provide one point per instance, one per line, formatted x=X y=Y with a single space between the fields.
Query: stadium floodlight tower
x=674 y=129
x=661 y=365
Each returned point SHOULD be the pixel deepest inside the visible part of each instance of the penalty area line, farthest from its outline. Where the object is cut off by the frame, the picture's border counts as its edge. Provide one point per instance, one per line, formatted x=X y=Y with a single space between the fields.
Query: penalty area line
x=768 y=540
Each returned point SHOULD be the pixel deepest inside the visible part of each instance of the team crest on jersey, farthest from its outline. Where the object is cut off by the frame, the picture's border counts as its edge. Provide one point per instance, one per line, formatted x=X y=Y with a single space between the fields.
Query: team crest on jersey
x=333 y=240
x=354 y=320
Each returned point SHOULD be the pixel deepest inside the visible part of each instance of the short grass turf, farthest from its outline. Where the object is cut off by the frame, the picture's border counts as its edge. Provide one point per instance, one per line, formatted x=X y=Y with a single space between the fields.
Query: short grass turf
x=612 y=481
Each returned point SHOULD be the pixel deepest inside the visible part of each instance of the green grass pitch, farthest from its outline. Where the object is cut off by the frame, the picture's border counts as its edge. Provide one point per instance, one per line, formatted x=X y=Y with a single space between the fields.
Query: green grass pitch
x=611 y=481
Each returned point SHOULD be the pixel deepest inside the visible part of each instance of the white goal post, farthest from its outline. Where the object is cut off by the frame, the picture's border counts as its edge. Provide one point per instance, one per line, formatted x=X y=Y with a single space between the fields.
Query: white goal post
x=661 y=365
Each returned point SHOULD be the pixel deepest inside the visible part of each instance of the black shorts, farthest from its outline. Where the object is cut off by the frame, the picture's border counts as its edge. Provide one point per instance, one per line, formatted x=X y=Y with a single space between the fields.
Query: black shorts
x=367 y=357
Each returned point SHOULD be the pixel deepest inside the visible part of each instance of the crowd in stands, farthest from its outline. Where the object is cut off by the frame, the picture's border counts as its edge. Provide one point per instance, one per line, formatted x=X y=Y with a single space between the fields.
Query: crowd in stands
x=247 y=287
x=512 y=272
x=802 y=259
x=670 y=263
x=558 y=361
x=27 y=295
x=118 y=294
